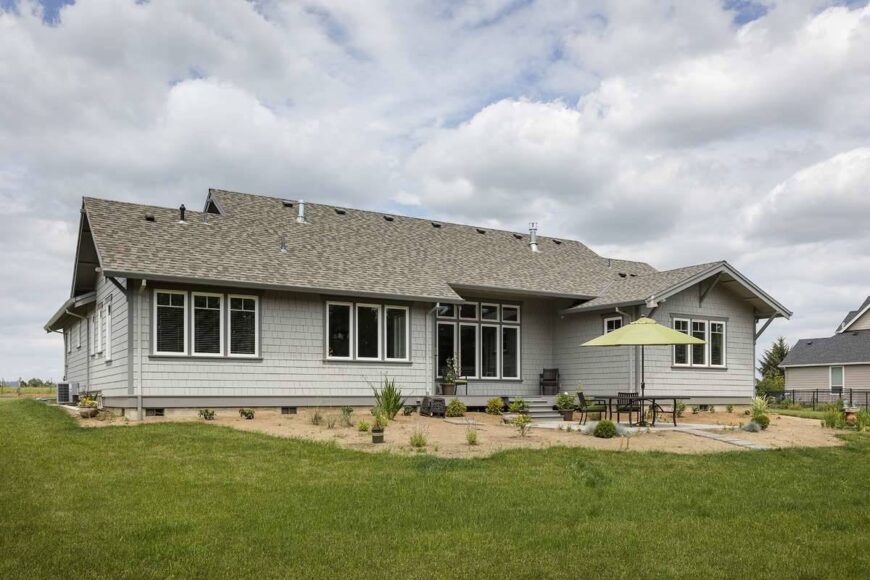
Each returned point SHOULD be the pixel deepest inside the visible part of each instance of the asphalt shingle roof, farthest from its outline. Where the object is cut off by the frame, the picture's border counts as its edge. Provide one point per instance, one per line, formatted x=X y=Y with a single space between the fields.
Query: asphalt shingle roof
x=350 y=252
x=846 y=347
x=854 y=313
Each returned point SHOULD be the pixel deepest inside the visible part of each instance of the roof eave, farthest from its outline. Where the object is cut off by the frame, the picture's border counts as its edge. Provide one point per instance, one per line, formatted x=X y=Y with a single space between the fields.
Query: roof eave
x=861 y=313
x=579 y=309
x=74 y=302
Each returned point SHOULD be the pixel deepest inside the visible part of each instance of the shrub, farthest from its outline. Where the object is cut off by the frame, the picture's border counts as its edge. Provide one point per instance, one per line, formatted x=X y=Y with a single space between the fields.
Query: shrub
x=471 y=436
x=331 y=420
x=518 y=405
x=408 y=410
x=696 y=410
x=605 y=429
x=494 y=406
x=730 y=408
x=455 y=408
x=346 y=413
x=87 y=402
x=751 y=427
x=760 y=406
x=522 y=423
x=316 y=417
x=862 y=420
x=565 y=402
x=833 y=419
x=206 y=414
x=246 y=413
x=363 y=426
x=681 y=408
x=763 y=421
x=418 y=438
x=389 y=398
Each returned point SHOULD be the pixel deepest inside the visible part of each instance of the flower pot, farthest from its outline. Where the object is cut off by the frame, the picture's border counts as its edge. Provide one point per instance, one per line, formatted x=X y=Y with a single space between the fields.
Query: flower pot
x=448 y=388
x=567 y=414
x=377 y=436
x=850 y=414
x=87 y=412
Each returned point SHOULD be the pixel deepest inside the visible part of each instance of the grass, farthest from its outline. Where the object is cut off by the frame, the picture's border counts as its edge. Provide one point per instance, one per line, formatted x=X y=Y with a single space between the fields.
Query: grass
x=199 y=500
x=802 y=413
x=28 y=390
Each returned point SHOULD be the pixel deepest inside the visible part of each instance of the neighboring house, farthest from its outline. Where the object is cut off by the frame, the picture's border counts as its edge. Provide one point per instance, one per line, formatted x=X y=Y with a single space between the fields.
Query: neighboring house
x=259 y=301
x=835 y=363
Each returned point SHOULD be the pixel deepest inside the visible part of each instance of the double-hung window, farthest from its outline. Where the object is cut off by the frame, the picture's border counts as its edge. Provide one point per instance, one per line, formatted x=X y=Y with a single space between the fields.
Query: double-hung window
x=92 y=334
x=711 y=354
x=368 y=331
x=170 y=322
x=681 y=351
x=108 y=356
x=208 y=324
x=79 y=333
x=717 y=344
x=244 y=326
x=339 y=324
x=837 y=379
x=397 y=333
x=612 y=323
x=99 y=329
x=699 y=351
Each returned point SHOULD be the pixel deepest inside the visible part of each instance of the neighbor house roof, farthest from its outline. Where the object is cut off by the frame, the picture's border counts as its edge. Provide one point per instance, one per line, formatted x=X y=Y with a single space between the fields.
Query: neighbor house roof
x=853 y=315
x=843 y=348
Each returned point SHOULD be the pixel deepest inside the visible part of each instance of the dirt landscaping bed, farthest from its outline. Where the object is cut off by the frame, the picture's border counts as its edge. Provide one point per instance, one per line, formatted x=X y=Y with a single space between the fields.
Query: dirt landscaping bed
x=447 y=437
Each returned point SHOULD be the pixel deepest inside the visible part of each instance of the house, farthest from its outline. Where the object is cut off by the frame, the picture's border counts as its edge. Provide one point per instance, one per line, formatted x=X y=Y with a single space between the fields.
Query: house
x=834 y=363
x=260 y=301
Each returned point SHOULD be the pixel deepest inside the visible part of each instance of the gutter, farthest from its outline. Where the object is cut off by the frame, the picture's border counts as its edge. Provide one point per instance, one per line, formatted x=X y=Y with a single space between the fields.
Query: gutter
x=138 y=341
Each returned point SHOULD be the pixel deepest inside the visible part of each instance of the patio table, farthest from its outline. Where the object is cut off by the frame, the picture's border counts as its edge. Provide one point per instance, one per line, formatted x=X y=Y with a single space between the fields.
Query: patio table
x=651 y=399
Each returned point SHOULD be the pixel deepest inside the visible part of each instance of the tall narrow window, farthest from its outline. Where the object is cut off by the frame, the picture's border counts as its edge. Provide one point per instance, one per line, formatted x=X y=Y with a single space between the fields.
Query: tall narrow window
x=837 y=379
x=79 y=333
x=717 y=344
x=368 y=331
x=170 y=322
x=681 y=351
x=208 y=327
x=244 y=326
x=489 y=351
x=92 y=335
x=99 y=329
x=446 y=345
x=699 y=351
x=338 y=326
x=67 y=339
x=510 y=349
x=108 y=332
x=396 y=321
x=612 y=323
x=468 y=350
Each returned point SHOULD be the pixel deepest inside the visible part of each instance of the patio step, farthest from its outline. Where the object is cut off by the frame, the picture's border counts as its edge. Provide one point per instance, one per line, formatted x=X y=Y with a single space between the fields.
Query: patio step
x=541 y=410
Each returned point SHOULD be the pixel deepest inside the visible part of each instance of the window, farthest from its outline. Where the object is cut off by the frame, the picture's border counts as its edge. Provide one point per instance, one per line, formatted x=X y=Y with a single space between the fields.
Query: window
x=99 y=329
x=612 y=323
x=244 y=326
x=67 y=339
x=468 y=350
x=468 y=311
x=510 y=348
x=446 y=311
x=108 y=332
x=368 y=331
x=837 y=379
x=446 y=345
x=396 y=321
x=510 y=313
x=208 y=324
x=699 y=351
x=717 y=344
x=489 y=351
x=92 y=334
x=489 y=312
x=681 y=351
x=338 y=324
x=170 y=322
x=79 y=333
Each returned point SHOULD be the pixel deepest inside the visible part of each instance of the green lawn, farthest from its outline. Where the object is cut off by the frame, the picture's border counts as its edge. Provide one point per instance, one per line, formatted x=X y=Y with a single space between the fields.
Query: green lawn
x=803 y=413
x=182 y=500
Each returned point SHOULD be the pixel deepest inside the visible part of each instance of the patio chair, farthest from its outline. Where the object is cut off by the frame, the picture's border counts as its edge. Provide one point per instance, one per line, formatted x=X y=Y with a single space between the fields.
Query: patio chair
x=584 y=407
x=659 y=409
x=549 y=382
x=627 y=403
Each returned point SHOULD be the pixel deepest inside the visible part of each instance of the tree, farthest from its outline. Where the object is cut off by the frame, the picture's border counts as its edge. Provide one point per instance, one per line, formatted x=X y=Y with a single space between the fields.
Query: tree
x=772 y=358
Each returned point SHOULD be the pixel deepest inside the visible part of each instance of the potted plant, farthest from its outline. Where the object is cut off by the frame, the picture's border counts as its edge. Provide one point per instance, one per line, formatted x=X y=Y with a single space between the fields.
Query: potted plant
x=380 y=423
x=87 y=406
x=565 y=405
x=451 y=376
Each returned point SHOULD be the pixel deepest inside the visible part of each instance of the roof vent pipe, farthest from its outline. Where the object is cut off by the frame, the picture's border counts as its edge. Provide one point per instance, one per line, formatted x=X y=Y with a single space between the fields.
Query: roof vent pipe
x=533 y=236
x=300 y=217
x=181 y=211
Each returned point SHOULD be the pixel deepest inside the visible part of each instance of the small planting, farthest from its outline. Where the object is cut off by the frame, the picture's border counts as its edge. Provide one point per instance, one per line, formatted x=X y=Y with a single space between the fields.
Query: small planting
x=455 y=408
x=523 y=424
x=206 y=414
x=363 y=426
x=246 y=414
x=681 y=408
x=389 y=398
x=760 y=406
x=471 y=436
x=696 y=410
x=316 y=417
x=494 y=406
x=87 y=402
x=862 y=420
x=763 y=421
x=381 y=421
x=730 y=408
x=418 y=438
x=346 y=416
x=565 y=402
x=331 y=420
x=518 y=405
x=605 y=430
x=408 y=410
x=833 y=419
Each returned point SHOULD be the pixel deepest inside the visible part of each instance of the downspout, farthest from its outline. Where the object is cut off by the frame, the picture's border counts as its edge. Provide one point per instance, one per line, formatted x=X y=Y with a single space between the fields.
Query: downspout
x=87 y=345
x=430 y=357
x=139 y=347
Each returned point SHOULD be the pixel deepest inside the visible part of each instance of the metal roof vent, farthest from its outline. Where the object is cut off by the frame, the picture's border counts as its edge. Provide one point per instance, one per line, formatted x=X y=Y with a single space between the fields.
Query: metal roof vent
x=436 y=225
x=300 y=216
x=557 y=242
x=518 y=236
x=481 y=230
x=622 y=274
x=340 y=211
x=286 y=203
x=389 y=218
x=181 y=211
x=283 y=243
x=533 y=236
x=149 y=217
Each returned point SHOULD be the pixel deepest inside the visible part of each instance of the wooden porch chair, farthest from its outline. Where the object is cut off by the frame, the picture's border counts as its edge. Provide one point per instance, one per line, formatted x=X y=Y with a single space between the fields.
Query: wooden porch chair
x=549 y=382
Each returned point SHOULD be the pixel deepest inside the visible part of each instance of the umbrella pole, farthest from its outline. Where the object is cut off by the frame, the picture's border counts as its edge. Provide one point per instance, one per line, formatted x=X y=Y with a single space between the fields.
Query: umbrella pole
x=642 y=421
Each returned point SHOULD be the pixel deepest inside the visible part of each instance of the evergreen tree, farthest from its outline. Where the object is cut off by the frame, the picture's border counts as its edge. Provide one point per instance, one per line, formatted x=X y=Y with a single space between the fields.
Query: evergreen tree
x=771 y=358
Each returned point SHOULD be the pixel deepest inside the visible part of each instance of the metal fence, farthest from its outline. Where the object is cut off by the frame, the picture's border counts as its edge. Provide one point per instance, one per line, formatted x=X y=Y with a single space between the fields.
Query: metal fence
x=820 y=397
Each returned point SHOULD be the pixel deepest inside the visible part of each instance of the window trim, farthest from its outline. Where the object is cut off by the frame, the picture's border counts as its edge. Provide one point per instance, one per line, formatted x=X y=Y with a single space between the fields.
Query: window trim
x=407 y=310
x=498 y=369
x=688 y=362
x=92 y=341
x=108 y=356
x=831 y=378
x=519 y=374
x=724 y=363
x=437 y=350
x=476 y=328
x=519 y=313
x=351 y=339
x=99 y=341
x=497 y=318
x=256 y=353
x=193 y=350
x=154 y=350
x=79 y=334
x=476 y=311
x=608 y=319
x=705 y=346
x=379 y=326
x=67 y=340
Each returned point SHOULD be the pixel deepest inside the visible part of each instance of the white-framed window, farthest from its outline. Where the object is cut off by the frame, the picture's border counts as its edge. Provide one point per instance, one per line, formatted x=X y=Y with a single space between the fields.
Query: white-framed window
x=368 y=332
x=67 y=340
x=79 y=333
x=339 y=330
x=837 y=379
x=397 y=334
x=468 y=340
x=445 y=344
x=682 y=351
x=170 y=322
x=207 y=324
x=446 y=311
x=489 y=312
x=99 y=329
x=612 y=323
x=244 y=325
x=699 y=351
x=718 y=348
x=92 y=334
x=468 y=311
x=489 y=351
x=108 y=332
x=510 y=352
x=510 y=313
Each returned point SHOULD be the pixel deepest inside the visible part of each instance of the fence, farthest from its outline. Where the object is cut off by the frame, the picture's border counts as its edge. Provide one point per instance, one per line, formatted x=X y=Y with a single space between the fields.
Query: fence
x=820 y=397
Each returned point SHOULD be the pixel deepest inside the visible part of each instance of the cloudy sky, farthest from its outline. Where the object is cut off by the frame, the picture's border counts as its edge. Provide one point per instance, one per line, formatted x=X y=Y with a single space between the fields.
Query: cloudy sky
x=672 y=132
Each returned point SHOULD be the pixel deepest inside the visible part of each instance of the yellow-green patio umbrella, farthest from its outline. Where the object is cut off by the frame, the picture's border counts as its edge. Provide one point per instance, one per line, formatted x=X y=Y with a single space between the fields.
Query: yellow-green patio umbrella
x=643 y=332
